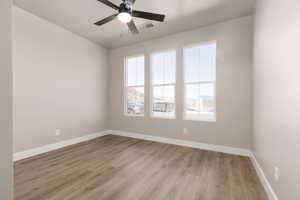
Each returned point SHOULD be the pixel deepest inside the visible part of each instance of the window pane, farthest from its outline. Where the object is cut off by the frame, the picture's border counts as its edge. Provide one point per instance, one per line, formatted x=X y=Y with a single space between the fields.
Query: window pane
x=135 y=101
x=199 y=101
x=164 y=101
x=200 y=63
x=163 y=67
x=135 y=71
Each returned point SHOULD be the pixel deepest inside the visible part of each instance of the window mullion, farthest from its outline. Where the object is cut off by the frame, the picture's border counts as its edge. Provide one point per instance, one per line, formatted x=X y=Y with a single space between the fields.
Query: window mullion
x=199 y=82
x=163 y=84
x=134 y=86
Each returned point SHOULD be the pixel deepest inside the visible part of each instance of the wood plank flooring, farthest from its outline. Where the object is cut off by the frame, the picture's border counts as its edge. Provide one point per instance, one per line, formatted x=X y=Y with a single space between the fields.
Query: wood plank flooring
x=120 y=168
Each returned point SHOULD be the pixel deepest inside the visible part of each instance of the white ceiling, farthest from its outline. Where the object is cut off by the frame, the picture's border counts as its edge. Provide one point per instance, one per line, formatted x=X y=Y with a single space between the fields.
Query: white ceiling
x=78 y=16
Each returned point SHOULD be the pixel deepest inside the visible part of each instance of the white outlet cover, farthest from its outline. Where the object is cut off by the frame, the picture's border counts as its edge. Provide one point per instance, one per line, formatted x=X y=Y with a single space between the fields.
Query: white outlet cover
x=276 y=173
x=185 y=131
x=57 y=132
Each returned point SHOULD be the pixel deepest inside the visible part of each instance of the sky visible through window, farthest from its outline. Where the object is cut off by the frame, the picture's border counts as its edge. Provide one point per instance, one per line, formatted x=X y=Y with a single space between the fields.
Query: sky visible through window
x=199 y=65
x=200 y=62
x=135 y=71
x=163 y=70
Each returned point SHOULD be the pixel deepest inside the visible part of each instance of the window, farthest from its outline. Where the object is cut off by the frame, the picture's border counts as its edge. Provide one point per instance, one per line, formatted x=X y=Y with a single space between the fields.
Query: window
x=134 y=86
x=163 y=79
x=199 y=82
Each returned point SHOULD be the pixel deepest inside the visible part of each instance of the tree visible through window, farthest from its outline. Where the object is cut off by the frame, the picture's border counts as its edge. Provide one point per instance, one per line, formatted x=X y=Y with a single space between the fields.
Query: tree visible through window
x=199 y=80
x=134 y=86
x=163 y=79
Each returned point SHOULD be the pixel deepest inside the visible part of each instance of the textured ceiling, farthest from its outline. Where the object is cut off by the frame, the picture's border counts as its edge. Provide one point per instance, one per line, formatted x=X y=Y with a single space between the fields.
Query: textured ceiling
x=78 y=16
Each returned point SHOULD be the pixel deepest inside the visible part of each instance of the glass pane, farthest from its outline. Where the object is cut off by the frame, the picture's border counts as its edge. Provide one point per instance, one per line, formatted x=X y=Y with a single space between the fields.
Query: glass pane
x=135 y=101
x=200 y=63
x=163 y=67
x=163 y=101
x=199 y=101
x=135 y=71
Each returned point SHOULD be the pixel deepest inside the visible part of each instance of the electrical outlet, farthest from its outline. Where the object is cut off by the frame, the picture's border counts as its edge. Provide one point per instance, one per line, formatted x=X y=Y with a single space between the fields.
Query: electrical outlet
x=276 y=173
x=57 y=132
x=185 y=131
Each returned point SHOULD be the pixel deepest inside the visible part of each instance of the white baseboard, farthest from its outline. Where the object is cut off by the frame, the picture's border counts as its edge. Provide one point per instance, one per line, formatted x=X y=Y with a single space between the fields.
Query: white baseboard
x=51 y=147
x=268 y=188
x=210 y=147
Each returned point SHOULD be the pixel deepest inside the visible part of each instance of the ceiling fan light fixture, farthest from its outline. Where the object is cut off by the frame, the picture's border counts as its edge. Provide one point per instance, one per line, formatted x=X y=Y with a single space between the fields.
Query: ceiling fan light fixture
x=124 y=17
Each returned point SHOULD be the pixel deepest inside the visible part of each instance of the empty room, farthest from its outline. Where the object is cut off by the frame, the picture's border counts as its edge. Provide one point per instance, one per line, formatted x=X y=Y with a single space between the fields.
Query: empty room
x=150 y=100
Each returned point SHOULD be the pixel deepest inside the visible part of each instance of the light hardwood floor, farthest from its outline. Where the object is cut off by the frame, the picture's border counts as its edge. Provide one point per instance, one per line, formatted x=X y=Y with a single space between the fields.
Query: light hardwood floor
x=120 y=168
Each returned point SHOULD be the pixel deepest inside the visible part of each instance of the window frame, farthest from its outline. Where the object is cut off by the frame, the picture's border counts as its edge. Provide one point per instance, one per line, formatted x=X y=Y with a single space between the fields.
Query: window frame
x=152 y=85
x=202 y=117
x=126 y=87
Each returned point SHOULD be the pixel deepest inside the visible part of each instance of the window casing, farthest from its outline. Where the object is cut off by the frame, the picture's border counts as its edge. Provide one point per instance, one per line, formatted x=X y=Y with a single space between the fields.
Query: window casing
x=200 y=82
x=134 y=89
x=163 y=84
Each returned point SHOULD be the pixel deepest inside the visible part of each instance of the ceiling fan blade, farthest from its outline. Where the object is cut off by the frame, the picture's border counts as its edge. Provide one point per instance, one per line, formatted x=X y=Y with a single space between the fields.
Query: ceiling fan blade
x=150 y=16
x=105 y=20
x=132 y=27
x=110 y=4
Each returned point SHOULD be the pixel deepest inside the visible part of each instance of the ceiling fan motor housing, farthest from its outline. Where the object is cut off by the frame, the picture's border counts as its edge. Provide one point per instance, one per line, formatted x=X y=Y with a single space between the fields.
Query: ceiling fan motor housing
x=125 y=7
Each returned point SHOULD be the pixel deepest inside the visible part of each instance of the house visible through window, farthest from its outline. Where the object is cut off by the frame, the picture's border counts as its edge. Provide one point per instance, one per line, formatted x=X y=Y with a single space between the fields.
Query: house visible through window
x=163 y=79
x=134 y=86
x=199 y=81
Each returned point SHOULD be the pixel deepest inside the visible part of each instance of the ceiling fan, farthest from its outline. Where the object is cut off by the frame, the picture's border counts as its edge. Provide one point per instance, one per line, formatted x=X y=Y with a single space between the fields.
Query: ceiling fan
x=125 y=14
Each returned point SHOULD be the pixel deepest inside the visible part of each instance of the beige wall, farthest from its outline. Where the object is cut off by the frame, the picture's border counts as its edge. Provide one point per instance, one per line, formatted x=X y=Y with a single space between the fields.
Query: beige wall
x=59 y=83
x=276 y=139
x=5 y=102
x=234 y=68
